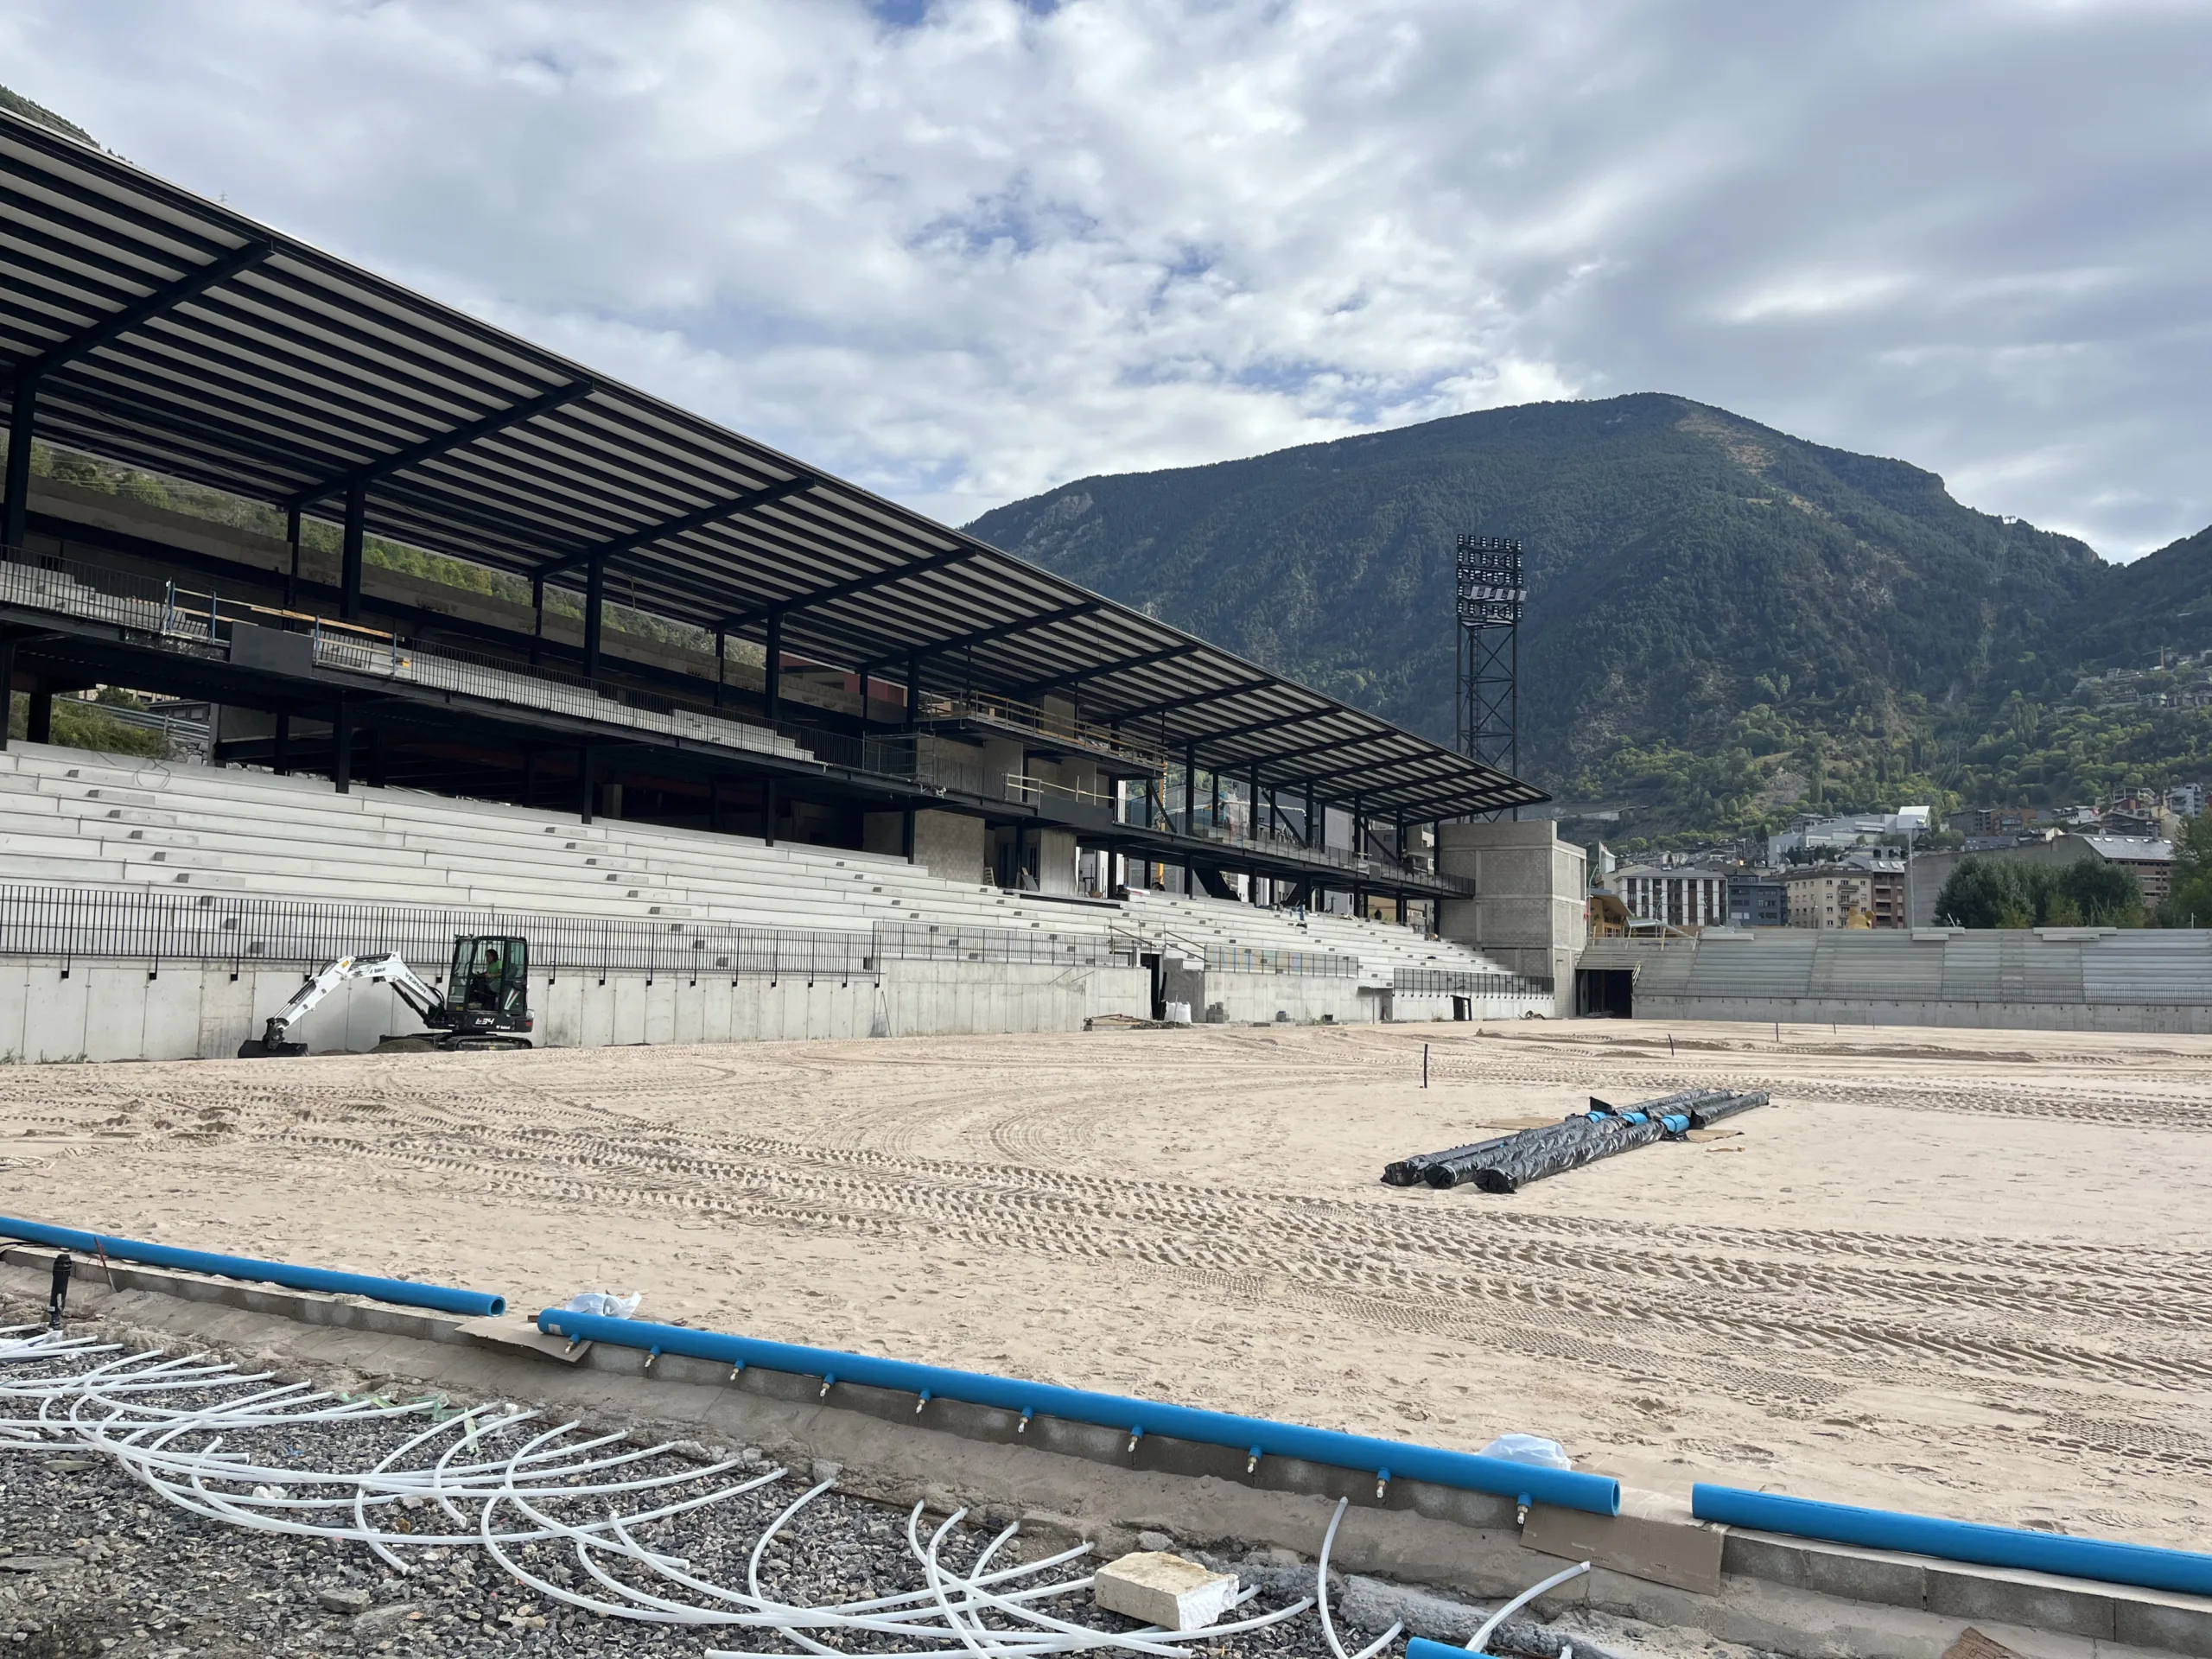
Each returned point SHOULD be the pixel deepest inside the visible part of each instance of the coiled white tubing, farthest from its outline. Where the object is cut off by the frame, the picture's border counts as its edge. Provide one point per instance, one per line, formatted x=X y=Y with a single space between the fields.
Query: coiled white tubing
x=166 y=1421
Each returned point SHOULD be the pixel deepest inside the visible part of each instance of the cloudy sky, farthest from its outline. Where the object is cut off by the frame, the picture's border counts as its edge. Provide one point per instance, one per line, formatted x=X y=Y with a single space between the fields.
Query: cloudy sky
x=964 y=249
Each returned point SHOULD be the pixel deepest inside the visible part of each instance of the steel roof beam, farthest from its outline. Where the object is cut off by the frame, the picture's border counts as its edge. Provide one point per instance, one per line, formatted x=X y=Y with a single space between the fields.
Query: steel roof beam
x=498 y=421
x=1170 y=704
x=1020 y=624
x=1121 y=666
x=167 y=297
x=850 y=586
x=684 y=525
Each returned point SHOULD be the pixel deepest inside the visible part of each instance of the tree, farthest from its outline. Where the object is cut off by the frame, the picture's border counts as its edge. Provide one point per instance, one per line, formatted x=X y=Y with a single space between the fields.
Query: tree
x=2189 y=901
x=1992 y=893
x=2103 y=895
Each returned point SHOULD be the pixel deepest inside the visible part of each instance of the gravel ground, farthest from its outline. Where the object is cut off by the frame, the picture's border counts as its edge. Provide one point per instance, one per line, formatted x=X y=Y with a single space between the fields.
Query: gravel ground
x=93 y=1562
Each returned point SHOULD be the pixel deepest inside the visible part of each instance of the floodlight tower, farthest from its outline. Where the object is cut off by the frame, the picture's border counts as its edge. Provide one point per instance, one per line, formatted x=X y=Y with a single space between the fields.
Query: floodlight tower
x=1490 y=596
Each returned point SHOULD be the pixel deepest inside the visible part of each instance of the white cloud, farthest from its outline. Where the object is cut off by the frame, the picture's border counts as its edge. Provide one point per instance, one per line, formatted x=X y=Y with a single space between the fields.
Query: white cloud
x=1012 y=243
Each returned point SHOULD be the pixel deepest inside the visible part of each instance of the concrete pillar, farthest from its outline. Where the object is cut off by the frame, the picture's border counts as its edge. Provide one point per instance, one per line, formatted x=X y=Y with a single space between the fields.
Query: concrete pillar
x=1529 y=910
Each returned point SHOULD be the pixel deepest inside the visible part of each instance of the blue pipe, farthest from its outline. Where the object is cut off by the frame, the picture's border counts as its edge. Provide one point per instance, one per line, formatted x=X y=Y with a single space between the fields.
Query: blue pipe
x=2183 y=1571
x=1419 y=1647
x=475 y=1304
x=1255 y=1436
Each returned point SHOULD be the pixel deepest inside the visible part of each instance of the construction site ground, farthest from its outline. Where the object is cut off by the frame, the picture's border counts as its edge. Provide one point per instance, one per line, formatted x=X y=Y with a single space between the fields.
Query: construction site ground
x=1963 y=1271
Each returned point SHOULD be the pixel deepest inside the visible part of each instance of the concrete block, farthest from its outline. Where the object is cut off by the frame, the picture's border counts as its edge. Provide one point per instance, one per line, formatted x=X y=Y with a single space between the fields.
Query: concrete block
x=1164 y=1590
x=2145 y=1618
x=1825 y=1569
x=2035 y=1600
x=1653 y=1537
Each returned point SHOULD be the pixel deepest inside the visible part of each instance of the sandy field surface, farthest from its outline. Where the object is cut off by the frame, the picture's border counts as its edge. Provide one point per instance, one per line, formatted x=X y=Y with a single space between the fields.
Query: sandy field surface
x=1962 y=1272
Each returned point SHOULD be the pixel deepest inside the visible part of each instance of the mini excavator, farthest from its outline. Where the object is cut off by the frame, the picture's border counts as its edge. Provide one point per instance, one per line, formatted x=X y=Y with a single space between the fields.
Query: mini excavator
x=485 y=1002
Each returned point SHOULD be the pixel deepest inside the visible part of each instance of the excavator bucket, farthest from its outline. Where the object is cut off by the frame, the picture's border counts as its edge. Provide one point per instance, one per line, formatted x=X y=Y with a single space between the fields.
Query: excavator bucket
x=255 y=1048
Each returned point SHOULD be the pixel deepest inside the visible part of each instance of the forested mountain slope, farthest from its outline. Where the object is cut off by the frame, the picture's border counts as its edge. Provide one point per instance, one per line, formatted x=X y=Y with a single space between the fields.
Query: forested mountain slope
x=1723 y=619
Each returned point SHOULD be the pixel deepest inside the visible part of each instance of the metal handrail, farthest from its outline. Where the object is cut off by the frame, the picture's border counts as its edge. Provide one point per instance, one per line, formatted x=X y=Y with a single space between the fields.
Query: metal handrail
x=155 y=926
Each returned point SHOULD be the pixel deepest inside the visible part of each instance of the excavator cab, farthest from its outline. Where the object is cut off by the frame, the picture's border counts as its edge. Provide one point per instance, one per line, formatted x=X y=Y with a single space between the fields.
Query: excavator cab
x=489 y=987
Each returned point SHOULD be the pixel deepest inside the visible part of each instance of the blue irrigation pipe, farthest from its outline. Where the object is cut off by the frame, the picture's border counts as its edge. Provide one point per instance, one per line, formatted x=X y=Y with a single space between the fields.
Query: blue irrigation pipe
x=2183 y=1571
x=1255 y=1436
x=476 y=1304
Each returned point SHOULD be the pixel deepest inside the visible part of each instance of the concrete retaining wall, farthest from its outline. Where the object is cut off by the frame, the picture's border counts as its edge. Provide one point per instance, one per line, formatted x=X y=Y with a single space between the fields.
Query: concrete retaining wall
x=52 y=1011
x=1856 y=1011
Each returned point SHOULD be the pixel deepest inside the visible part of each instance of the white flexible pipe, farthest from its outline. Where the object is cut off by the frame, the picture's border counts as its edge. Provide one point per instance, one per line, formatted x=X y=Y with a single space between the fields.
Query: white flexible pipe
x=1480 y=1643
x=1321 y=1597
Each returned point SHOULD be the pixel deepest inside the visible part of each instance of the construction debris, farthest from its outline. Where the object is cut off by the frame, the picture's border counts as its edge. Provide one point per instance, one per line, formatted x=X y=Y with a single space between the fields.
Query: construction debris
x=1168 y=1591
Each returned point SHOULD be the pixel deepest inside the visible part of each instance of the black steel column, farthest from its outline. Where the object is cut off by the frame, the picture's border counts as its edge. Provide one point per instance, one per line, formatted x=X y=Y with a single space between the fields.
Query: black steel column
x=280 y=745
x=722 y=665
x=595 y=614
x=768 y=811
x=537 y=619
x=1315 y=836
x=906 y=835
x=528 y=773
x=7 y=685
x=1190 y=797
x=914 y=688
x=585 y=788
x=349 y=566
x=1216 y=800
x=342 y=738
x=292 y=576
x=15 y=517
x=775 y=666
x=38 y=720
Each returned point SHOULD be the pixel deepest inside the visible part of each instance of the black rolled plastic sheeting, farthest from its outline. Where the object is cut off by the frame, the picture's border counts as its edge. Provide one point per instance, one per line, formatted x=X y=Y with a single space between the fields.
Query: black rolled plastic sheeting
x=1712 y=1112
x=1579 y=1140
x=1412 y=1171
x=1684 y=1101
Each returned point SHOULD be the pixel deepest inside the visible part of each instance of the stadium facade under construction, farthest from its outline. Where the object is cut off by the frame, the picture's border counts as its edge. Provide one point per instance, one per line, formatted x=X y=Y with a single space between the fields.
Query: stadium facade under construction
x=427 y=570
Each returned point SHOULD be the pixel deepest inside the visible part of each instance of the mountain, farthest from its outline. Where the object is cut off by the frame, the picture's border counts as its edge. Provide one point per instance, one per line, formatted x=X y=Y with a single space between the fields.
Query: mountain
x=1723 y=621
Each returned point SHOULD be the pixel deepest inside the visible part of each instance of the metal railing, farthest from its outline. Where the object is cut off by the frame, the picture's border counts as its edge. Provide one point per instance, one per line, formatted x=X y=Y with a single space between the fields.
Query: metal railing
x=1011 y=713
x=1445 y=981
x=1234 y=958
x=155 y=926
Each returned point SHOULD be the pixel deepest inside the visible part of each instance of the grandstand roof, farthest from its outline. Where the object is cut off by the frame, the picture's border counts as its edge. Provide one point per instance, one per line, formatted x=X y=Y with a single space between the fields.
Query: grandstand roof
x=168 y=332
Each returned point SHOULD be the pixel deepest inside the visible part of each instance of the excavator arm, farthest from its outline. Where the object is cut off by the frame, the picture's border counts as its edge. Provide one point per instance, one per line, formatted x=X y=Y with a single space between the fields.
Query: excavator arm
x=383 y=968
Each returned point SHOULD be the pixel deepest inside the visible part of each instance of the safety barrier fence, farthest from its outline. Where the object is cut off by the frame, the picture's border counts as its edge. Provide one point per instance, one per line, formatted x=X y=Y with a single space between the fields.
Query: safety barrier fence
x=153 y=926
x=1445 y=982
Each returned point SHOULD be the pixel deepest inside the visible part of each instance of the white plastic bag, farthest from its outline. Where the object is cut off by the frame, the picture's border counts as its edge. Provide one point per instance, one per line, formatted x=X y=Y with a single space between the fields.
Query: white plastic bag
x=1529 y=1448
x=606 y=1304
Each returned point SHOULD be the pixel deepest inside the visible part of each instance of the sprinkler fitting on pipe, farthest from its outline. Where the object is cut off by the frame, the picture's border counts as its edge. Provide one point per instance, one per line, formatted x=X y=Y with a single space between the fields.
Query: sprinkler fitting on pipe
x=1252 y=1461
x=828 y=1383
x=1135 y=1434
x=737 y=1371
x=1022 y=1428
x=921 y=1400
x=1381 y=1483
x=1521 y=1509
